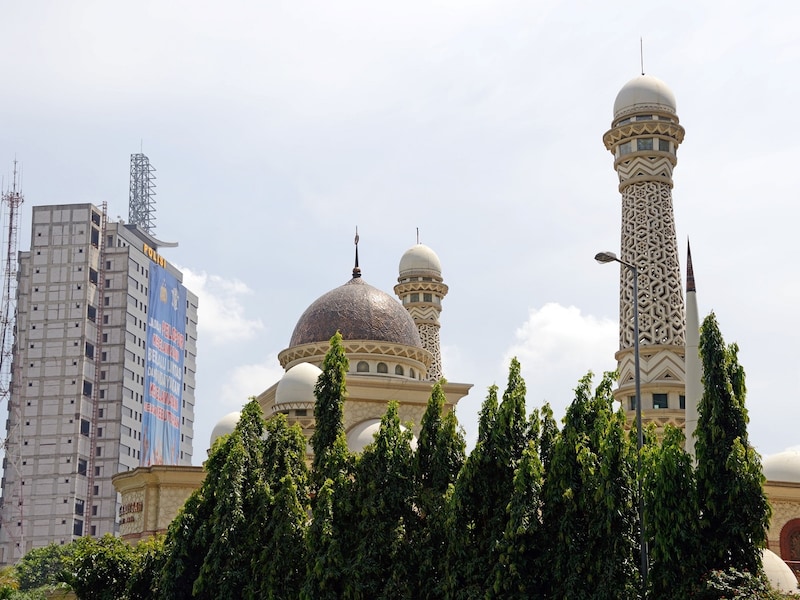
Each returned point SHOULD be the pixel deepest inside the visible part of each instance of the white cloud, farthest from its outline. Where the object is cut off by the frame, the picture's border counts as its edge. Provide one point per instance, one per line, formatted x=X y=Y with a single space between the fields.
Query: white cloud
x=556 y=346
x=250 y=380
x=221 y=314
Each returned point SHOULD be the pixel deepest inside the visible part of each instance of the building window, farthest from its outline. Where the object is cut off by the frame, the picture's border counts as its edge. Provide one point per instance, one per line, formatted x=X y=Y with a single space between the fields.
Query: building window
x=92 y=276
x=89 y=350
x=77 y=527
x=415 y=297
x=663 y=145
x=79 y=504
x=427 y=297
x=644 y=144
x=91 y=313
x=660 y=401
x=398 y=370
x=382 y=368
x=362 y=367
x=84 y=427
x=631 y=402
x=682 y=401
x=82 y=464
x=87 y=388
x=625 y=149
x=412 y=374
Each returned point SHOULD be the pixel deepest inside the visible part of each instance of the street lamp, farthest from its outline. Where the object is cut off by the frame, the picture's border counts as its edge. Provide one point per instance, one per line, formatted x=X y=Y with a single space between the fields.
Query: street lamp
x=607 y=257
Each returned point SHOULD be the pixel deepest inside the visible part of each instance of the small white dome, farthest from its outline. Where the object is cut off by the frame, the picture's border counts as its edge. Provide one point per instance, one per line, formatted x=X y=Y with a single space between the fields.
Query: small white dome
x=297 y=384
x=643 y=93
x=420 y=258
x=224 y=426
x=784 y=466
x=363 y=434
x=778 y=572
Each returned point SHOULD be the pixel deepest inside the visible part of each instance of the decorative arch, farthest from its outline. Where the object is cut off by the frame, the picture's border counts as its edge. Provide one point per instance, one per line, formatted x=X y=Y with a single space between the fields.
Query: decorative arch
x=790 y=544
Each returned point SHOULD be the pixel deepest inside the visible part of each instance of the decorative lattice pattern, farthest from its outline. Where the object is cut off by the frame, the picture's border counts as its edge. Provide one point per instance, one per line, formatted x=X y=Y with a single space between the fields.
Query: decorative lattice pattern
x=429 y=334
x=649 y=242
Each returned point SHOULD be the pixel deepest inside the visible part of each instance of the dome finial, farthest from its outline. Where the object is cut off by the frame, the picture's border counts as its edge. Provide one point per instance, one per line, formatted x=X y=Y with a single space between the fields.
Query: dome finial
x=356 y=269
x=690 y=286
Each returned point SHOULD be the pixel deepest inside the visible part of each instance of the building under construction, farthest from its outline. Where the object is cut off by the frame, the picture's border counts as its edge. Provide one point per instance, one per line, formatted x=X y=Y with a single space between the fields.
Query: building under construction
x=102 y=374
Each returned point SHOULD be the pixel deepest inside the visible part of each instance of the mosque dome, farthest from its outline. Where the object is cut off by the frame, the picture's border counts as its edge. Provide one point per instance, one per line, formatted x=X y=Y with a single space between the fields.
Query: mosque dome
x=780 y=576
x=363 y=434
x=360 y=312
x=224 y=426
x=643 y=93
x=420 y=259
x=297 y=385
x=784 y=466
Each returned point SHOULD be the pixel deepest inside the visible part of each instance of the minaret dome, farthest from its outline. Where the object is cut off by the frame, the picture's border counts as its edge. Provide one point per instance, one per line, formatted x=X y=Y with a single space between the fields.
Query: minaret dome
x=421 y=289
x=644 y=93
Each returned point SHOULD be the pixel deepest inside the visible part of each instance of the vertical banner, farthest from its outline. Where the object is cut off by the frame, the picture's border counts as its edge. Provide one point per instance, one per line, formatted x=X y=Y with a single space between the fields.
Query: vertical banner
x=163 y=380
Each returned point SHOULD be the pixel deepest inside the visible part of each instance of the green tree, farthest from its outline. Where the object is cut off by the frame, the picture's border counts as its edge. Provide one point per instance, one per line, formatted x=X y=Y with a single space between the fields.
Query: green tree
x=672 y=517
x=41 y=566
x=589 y=514
x=382 y=497
x=734 y=512
x=483 y=490
x=331 y=457
x=439 y=457
x=99 y=568
x=148 y=559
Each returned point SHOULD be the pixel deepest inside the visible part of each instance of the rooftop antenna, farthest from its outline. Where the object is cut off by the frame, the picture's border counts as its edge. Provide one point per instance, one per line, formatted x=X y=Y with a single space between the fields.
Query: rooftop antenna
x=141 y=200
x=356 y=269
x=641 y=54
x=417 y=235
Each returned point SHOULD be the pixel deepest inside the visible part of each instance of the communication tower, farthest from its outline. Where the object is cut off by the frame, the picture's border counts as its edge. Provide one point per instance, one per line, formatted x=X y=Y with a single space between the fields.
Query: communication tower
x=141 y=200
x=11 y=201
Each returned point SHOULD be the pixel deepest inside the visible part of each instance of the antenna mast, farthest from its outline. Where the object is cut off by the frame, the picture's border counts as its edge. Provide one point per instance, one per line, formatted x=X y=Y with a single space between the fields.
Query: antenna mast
x=11 y=202
x=141 y=200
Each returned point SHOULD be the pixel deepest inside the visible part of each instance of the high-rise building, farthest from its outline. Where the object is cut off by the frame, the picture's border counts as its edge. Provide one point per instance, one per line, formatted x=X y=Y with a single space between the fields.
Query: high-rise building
x=644 y=138
x=103 y=375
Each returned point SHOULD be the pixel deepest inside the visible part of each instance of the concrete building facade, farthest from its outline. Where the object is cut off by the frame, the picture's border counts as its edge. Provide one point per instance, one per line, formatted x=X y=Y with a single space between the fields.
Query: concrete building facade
x=83 y=375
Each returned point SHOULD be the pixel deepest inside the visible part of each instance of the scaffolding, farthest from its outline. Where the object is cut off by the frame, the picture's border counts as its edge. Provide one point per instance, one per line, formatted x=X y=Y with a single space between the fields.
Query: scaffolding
x=10 y=203
x=141 y=199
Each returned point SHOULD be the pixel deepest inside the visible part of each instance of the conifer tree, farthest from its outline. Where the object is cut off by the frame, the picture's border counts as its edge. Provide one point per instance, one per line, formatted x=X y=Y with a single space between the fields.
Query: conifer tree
x=439 y=457
x=671 y=517
x=483 y=490
x=734 y=510
x=589 y=515
x=331 y=457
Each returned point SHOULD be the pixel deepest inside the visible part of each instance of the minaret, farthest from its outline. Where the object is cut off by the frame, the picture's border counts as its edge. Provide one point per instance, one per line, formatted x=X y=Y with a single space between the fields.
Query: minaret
x=694 y=367
x=420 y=289
x=644 y=139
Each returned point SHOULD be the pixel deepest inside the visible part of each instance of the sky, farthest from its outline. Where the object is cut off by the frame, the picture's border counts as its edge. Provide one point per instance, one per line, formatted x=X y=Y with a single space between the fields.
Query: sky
x=277 y=128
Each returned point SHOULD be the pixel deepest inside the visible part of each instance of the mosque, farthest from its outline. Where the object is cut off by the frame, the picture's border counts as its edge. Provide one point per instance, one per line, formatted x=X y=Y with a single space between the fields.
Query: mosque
x=394 y=347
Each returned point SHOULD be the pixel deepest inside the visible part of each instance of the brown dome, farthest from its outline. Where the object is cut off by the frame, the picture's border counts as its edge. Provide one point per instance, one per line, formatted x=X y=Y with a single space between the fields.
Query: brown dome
x=360 y=312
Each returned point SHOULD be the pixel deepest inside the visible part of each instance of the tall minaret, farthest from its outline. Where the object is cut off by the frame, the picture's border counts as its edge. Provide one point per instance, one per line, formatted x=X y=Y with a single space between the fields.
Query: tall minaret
x=420 y=289
x=644 y=139
x=694 y=367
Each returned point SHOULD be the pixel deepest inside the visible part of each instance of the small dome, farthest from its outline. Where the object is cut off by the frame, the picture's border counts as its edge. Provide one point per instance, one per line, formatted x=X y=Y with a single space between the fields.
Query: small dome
x=297 y=384
x=360 y=312
x=363 y=434
x=224 y=426
x=780 y=576
x=420 y=259
x=644 y=93
x=784 y=466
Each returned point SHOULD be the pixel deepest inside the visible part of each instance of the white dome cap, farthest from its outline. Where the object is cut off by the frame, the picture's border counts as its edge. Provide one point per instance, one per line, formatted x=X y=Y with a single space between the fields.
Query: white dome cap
x=420 y=258
x=644 y=93
x=297 y=384
x=780 y=576
x=784 y=466
x=224 y=426
x=363 y=434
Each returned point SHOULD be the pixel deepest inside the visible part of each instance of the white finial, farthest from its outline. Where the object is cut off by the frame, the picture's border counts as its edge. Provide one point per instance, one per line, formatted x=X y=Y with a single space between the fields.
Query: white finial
x=641 y=54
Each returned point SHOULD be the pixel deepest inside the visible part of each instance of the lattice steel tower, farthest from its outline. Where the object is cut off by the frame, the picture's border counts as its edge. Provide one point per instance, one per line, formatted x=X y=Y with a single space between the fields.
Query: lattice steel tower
x=644 y=139
x=141 y=200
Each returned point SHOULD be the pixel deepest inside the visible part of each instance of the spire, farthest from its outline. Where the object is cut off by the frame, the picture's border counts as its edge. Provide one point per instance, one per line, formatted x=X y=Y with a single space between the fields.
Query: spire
x=689 y=270
x=356 y=269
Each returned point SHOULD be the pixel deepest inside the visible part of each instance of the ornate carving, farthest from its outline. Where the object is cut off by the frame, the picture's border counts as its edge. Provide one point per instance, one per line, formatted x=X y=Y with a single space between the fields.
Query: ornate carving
x=429 y=333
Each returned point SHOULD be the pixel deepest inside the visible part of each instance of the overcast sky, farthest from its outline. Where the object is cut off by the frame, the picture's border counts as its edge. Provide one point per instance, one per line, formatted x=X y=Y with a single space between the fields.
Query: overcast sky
x=276 y=128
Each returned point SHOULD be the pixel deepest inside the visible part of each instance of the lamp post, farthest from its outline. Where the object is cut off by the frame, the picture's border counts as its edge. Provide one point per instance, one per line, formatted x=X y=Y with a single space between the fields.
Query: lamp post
x=607 y=257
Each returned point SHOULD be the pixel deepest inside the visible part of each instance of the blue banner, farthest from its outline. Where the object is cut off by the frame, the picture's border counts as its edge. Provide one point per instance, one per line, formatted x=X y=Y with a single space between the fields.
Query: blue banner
x=163 y=380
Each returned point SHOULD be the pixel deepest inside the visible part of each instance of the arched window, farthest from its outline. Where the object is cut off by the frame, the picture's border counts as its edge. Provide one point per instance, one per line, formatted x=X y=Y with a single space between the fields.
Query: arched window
x=382 y=368
x=398 y=370
x=790 y=544
x=362 y=366
x=412 y=374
